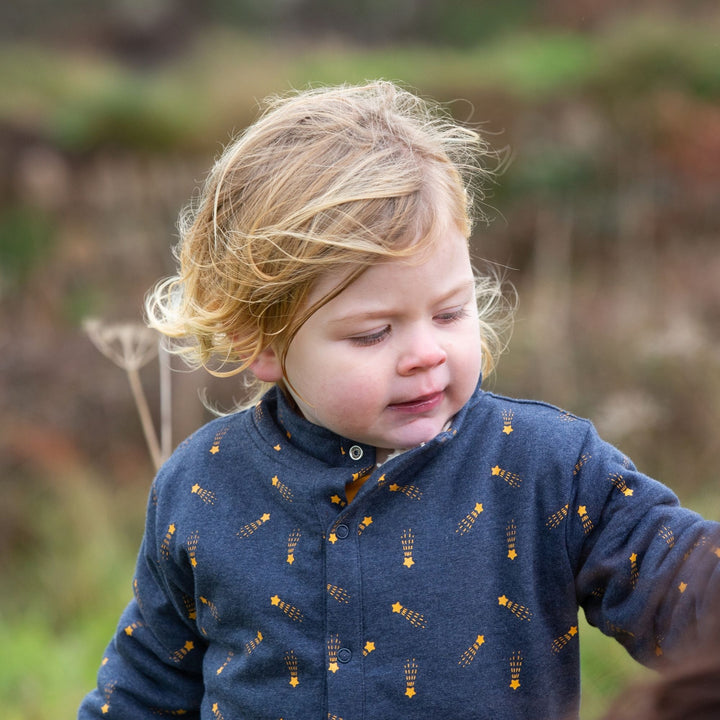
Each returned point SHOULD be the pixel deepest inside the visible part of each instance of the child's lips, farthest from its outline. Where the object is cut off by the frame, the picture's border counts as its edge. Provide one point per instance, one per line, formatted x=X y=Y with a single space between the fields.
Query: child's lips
x=421 y=404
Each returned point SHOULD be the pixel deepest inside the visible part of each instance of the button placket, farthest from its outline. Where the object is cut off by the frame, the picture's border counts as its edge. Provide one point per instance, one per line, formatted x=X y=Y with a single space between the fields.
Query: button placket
x=343 y=608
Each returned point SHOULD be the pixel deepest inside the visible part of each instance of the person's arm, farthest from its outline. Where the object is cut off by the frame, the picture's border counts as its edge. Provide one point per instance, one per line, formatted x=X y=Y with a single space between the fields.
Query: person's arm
x=153 y=665
x=647 y=570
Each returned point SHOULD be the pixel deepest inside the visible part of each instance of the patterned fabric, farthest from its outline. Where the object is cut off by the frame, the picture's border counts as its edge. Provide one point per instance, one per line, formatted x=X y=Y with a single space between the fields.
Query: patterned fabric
x=448 y=587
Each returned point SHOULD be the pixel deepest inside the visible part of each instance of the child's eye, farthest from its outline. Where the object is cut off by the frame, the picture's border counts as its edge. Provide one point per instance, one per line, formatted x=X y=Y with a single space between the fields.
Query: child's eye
x=450 y=316
x=371 y=338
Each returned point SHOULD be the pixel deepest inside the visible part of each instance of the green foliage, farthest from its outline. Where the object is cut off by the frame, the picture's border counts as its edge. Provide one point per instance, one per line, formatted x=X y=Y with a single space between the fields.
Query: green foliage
x=26 y=237
x=471 y=22
x=50 y=669
x=537 y=65
x=131 y=111
x=552 y=171
x=606 y=669
x=640 y=57
x=81 y=102
x=67 y=579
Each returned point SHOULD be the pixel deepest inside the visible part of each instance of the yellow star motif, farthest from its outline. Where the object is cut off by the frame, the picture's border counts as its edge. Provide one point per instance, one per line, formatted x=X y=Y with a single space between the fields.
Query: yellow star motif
x=410 y=692
x=627 y=492
x=480 y=639
x=265 y=517
x=507 y=429
x=332 y=538
x=193 y=562
x=512 y=554
x=582 y=510
x=333 y=667
x=215 y=707
x=277 y=447
x=189 y=645
x=336 y=500
x=502 y=600
x=215 y=449
x=515 y=684
x=275 y=600
x=397 y=607
x=573 y=631
x=129 y=630
x=195 y=488
x=275 y=480
x=105 y=709
x=682 y=587
x=294 y=681
x=171 y=529
x=496 y=470
x=290 y=559
x=408 y=562
x=367 y=521
x=394 y=487
x=633 y=558
x=369 y=646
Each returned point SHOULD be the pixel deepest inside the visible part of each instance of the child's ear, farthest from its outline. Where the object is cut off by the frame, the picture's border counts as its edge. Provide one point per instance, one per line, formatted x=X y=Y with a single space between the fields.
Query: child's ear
x=267 y=366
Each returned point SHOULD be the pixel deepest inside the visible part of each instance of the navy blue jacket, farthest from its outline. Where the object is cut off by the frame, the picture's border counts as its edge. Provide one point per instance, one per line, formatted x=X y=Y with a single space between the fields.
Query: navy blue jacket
x=449 y=587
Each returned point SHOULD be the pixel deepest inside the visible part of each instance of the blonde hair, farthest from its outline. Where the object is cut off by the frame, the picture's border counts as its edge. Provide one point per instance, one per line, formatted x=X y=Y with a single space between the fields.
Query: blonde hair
x=325 y=179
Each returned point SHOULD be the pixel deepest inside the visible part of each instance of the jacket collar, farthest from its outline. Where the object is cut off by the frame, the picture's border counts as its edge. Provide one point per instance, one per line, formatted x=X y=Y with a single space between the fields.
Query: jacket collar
x=278 y=419
x=318 y=442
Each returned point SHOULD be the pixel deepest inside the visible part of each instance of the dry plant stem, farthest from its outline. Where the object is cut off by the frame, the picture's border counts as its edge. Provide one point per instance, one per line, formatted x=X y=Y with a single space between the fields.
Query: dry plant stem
x=165 y=402
x=145 y=417
x=131 y=346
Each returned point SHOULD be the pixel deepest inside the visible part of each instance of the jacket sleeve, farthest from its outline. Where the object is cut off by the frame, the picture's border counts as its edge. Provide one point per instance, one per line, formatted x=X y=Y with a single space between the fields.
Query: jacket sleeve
x=153 y=665
x=647 y=570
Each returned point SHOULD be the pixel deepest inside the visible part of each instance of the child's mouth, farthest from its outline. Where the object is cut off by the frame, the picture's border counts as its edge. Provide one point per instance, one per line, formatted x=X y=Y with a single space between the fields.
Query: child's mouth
x=421 y=404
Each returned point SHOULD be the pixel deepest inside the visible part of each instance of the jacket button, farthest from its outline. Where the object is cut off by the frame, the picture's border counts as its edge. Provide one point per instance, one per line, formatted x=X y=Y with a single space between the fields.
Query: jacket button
x=344 y=655
x=356 y=452
x=342 y=531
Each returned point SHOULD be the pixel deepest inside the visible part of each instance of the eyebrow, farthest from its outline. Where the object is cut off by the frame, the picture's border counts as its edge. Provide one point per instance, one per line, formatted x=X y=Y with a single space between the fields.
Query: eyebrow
x=383 y=312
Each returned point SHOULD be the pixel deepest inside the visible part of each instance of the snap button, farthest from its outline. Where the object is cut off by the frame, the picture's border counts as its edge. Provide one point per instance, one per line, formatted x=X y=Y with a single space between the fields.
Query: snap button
x=356 y=452
x=344 y=655
x=342 y=531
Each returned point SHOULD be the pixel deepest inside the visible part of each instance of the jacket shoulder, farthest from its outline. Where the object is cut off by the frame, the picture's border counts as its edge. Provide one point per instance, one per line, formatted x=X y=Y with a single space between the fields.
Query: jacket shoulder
x=222 y=443
x=533 y=419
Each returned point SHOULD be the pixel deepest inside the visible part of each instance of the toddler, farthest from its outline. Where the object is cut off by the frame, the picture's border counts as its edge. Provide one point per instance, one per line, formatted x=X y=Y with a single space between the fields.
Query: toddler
x=376 y=536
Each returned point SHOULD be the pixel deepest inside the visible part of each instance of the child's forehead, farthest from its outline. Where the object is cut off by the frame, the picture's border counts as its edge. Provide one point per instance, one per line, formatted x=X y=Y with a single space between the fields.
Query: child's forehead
x=442 y=262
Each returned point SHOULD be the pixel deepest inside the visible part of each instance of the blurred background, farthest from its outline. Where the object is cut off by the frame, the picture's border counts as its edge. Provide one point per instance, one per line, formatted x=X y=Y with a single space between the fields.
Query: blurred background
x=606 y=221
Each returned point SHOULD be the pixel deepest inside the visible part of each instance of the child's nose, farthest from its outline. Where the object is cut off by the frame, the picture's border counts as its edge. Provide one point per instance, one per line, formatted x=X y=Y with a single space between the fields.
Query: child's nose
x=422 y=353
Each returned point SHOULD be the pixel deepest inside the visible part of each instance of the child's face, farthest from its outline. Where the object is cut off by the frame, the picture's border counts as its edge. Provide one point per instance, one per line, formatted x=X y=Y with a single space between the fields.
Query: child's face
x=395 y=355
